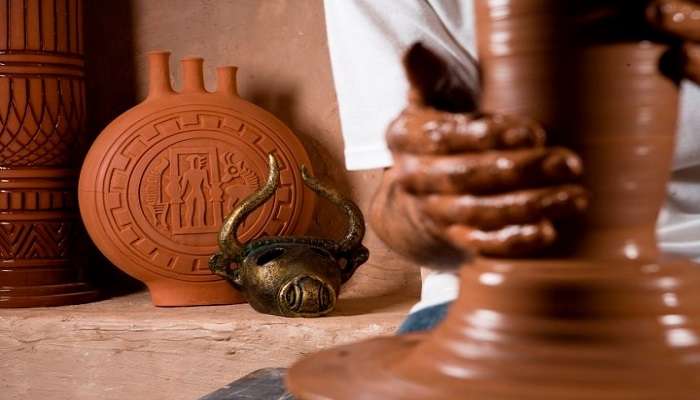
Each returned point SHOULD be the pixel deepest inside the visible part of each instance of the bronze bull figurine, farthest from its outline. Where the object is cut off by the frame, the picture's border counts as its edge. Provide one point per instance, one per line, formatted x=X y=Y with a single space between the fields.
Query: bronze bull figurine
x=290 y=276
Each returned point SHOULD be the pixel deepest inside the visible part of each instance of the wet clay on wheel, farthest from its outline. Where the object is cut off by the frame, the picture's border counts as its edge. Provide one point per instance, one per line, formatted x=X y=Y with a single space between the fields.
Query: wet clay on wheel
x=604 y=315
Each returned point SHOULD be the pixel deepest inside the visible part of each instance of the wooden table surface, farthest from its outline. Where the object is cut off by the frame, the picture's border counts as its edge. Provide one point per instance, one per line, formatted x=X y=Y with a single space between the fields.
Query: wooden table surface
x=125 y=348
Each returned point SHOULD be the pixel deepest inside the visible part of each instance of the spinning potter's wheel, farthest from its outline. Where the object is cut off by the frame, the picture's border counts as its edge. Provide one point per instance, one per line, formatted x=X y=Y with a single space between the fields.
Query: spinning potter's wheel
x=159 y=181
x=612 y=318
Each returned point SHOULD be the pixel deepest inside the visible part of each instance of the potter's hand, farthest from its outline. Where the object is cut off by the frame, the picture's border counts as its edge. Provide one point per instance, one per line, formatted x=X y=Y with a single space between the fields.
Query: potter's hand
x=461 y=181
x=680 y=18
x=486 y=183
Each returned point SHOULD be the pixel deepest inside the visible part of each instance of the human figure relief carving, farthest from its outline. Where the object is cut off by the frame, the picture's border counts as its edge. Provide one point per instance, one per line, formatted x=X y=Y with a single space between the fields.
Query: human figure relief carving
x=193 y=183
x=191 y=190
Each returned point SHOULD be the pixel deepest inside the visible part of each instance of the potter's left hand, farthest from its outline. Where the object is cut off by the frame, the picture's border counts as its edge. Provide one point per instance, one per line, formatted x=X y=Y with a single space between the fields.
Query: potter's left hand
x=680 y=18
x=469 y=181
x=487 y=183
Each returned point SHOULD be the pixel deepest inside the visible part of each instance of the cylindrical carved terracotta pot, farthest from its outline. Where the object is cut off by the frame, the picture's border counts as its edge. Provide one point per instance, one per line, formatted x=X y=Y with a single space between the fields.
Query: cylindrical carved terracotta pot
x=605 y=318
x=42 y=115
x=160 y=179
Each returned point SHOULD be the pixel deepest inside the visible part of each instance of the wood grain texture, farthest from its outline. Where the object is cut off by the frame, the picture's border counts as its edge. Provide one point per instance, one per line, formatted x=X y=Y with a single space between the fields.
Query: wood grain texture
x=125 y=348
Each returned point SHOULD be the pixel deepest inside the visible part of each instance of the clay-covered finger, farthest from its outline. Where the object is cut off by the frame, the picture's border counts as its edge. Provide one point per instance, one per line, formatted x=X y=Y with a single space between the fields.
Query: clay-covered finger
x=680 y=18
x=421 y=130
x=487 y=173
x=440 y=81
x=509 y=241
x=691 y=67
x=520 y=207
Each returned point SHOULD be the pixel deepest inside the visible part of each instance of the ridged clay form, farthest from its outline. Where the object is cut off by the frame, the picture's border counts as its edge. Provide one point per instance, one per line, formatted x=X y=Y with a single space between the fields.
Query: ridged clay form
x=614 y=318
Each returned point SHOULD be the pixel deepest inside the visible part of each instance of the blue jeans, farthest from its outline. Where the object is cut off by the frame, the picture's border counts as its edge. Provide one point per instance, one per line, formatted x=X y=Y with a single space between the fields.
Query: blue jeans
x=425 y=319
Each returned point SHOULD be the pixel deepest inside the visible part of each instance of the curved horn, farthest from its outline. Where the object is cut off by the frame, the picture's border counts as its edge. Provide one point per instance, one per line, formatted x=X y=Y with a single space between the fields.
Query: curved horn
x=356 y=222
x=228 y=243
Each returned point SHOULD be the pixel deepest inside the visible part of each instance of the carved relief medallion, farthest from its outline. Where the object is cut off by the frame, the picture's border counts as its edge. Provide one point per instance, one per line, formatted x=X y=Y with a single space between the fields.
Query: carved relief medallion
x=169 y=182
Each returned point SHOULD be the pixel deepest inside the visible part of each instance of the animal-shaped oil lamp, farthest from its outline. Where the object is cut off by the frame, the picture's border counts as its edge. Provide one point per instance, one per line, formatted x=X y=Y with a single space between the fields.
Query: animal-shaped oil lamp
x=290 y=276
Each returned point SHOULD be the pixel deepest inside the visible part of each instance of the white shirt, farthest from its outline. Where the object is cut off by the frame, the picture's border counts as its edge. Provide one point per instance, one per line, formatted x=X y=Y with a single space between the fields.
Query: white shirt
x=367 y=38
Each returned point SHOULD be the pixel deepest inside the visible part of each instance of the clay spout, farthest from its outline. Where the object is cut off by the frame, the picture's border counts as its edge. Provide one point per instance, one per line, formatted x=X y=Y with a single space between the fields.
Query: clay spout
x=159 y=73
x=192 y=75
x=226 y=80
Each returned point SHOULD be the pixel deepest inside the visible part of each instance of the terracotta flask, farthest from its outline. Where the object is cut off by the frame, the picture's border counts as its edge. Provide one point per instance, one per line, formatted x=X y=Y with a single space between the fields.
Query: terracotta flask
x=160 y=179
x=42 y=120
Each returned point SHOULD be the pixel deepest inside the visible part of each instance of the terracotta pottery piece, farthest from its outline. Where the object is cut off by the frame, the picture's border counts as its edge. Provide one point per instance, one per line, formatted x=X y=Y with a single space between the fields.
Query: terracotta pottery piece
x=159 y=181
x=612 y=318
x=42 y=118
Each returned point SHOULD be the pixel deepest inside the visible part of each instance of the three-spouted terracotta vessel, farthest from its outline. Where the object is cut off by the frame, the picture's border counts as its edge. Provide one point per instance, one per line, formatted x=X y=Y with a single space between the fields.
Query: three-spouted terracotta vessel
x=160 y=180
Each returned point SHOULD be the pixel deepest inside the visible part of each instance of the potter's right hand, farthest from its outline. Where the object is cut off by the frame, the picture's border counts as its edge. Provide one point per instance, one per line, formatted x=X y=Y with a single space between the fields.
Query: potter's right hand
x=680 y=18
x=465 y=182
